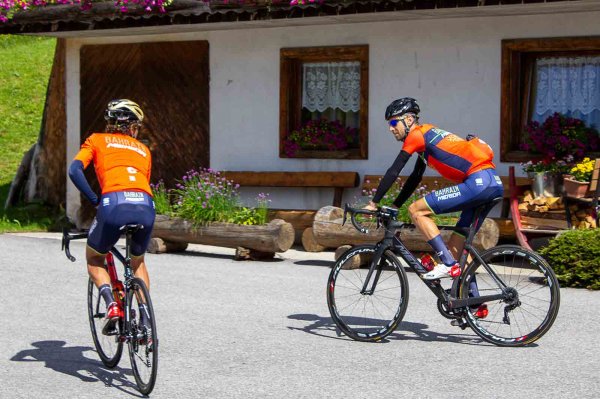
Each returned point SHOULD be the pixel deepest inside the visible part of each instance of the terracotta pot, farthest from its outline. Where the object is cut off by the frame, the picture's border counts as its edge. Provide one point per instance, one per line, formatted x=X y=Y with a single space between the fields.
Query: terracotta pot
x=575 y=188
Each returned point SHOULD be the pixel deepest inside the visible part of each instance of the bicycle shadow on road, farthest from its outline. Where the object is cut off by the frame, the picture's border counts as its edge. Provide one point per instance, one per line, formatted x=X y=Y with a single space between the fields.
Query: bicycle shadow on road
x=70 y=360
x=325 y=327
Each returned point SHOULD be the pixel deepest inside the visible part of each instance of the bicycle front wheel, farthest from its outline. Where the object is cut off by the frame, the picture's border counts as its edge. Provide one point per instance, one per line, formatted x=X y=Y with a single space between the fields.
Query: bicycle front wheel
x=108 y=345
x=143 y=342
x=373 y=315
x=532 y=301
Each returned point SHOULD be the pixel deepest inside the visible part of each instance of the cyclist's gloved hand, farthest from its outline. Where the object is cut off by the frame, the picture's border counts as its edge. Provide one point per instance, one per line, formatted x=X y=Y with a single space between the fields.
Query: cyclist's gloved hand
x=371 y=206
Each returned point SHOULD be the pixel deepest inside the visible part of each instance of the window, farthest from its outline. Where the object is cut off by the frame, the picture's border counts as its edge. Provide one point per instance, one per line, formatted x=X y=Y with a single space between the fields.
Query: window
x=324 y=102
x=544 y=76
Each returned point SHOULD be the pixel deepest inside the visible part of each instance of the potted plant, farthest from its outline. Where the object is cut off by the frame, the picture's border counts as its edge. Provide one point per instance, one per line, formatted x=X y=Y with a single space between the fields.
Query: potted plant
x=558 y=141
x=577 y=182
x=320 y=135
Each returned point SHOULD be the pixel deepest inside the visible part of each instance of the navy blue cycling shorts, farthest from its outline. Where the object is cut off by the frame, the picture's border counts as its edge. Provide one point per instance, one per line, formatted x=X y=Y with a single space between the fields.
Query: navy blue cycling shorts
x=117 y=209
x=477 y=189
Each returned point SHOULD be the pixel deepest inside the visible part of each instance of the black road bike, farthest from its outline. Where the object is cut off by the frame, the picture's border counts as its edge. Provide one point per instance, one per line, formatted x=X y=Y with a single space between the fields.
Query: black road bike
x=133 y=297
x=367 y=290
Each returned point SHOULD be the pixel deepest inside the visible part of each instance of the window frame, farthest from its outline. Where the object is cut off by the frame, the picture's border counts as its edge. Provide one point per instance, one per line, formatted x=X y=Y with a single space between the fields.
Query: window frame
x=518 y=55
x=290 y=98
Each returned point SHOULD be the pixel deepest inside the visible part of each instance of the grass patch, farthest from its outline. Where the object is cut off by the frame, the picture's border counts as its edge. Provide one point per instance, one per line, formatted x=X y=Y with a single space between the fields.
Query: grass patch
x=25 y=66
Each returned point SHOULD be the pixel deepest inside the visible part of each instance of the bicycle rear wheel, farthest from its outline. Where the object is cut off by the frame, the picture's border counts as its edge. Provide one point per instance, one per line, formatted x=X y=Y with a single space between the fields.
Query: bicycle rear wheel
x=534 y=296
x=109 y=347
x=143 y=346
x=367 y=317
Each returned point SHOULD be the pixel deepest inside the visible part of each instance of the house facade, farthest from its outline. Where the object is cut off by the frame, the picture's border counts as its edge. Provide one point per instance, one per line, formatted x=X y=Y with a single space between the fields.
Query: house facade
x=454 y=61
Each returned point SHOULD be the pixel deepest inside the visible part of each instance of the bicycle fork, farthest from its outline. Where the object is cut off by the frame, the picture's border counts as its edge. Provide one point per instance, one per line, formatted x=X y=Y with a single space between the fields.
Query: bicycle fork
x=375 y=267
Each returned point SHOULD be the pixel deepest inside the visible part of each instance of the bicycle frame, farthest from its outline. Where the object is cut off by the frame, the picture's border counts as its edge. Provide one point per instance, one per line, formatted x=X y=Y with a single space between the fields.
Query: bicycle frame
x=126 y=335
x=391 y=241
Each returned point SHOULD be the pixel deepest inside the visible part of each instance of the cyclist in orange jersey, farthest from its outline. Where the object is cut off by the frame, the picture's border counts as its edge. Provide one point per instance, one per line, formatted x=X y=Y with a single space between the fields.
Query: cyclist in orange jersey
x=467 y=162
x=123 y=165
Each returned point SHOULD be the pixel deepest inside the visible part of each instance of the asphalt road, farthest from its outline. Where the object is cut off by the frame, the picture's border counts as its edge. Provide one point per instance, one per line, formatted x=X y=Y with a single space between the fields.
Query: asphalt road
x=262 y=330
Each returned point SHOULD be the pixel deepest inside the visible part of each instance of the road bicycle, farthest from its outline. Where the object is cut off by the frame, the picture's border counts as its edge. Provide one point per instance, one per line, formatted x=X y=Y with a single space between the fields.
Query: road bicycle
x=367 y=289
x=133 y=297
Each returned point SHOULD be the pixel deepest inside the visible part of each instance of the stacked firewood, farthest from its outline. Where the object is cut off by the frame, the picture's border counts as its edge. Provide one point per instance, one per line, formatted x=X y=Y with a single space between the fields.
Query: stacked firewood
x=529 y=203
x=550 y=212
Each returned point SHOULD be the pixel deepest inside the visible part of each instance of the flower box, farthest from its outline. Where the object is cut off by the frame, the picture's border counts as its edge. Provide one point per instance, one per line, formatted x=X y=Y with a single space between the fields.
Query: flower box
x=574 y=188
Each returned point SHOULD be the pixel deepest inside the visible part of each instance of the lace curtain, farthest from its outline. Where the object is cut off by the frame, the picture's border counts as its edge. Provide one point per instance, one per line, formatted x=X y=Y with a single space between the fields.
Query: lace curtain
x=331 y=85
x=570 y=86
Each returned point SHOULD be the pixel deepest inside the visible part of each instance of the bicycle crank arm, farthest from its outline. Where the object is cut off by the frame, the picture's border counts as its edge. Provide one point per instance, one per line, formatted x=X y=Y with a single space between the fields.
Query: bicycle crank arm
x=454 y=303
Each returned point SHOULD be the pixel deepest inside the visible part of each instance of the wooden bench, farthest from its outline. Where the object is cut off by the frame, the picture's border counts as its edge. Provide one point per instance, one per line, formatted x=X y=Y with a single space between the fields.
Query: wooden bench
x=336 y=180
x=299 y=219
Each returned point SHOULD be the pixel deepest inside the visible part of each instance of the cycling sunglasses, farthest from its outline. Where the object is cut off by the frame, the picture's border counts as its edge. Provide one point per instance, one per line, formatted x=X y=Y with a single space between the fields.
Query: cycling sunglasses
x=394 y=122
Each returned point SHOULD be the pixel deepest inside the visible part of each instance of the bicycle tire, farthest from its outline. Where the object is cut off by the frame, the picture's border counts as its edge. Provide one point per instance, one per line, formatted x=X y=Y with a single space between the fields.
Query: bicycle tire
x=108 y=347
x=536 y=304
x=344 y=311
x=143 y=345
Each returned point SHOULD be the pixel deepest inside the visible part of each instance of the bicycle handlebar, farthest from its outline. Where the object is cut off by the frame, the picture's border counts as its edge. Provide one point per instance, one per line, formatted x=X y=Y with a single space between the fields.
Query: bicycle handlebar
x=384 y=215
x=66 y=240
x=353 y=212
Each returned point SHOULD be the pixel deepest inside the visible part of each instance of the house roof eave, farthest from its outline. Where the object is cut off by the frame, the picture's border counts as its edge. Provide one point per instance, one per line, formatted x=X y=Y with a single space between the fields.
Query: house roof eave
x=195 y=15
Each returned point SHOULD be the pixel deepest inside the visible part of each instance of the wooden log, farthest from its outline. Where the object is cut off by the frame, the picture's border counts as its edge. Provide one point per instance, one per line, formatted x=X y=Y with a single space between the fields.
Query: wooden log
x=309 y=242
x=299 y=219
x=506 y=227
x=329 y=232
x=486 y=237
x=275 y=236
x=159 y=246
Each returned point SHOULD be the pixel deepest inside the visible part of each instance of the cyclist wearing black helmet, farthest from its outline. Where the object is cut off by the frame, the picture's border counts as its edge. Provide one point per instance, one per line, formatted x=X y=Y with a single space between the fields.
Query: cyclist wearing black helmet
x=466 y=162
x=123 y=165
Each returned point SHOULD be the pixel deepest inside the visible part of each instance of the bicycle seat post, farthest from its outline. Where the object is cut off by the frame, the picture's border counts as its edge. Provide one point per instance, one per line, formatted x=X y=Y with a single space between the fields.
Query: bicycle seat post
x=129 y=230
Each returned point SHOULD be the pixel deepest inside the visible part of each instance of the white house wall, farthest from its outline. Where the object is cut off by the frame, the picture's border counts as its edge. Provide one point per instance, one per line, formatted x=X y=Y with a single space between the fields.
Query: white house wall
x=451 y=65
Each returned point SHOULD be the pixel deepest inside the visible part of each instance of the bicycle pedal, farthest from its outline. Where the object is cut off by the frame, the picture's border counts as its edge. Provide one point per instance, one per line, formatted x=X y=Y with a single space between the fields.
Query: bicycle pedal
x=459 y=323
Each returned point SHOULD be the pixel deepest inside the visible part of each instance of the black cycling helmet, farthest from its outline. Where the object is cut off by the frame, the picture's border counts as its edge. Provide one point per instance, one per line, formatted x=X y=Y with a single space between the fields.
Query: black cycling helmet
x=402 y=106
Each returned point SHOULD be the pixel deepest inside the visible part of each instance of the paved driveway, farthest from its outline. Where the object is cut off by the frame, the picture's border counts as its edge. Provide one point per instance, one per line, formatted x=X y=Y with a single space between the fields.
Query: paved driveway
x=262 y=329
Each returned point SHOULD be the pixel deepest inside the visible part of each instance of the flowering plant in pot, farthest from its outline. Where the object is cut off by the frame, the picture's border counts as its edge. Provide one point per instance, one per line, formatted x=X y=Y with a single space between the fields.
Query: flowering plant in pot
x=560 y=141
x=577 y=182
x=320 y=134
x=560 y=136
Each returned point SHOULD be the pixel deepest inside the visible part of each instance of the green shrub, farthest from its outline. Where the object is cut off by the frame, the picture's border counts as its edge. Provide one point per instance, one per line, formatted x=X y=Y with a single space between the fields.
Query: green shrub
x=162 y=203
x=575 y=258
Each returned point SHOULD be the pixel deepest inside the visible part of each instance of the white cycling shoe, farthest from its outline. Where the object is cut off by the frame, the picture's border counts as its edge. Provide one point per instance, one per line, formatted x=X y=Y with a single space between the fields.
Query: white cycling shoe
x=439 y=271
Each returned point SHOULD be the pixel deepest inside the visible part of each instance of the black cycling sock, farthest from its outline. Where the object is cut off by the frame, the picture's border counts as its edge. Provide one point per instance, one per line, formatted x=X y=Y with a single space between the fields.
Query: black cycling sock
x=106 y=294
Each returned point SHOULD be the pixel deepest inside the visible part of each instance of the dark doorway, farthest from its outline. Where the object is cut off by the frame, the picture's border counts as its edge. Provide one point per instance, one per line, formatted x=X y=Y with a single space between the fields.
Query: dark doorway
x=170 y=82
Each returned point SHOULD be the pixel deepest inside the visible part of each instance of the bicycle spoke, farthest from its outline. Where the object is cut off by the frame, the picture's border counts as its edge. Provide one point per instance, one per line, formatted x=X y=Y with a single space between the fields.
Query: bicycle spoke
x=531 y=296
x=367 y=316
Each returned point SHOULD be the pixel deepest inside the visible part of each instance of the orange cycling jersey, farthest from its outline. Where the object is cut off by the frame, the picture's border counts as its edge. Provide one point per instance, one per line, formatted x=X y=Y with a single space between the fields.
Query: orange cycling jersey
x=453 y=157
x=121 y=162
